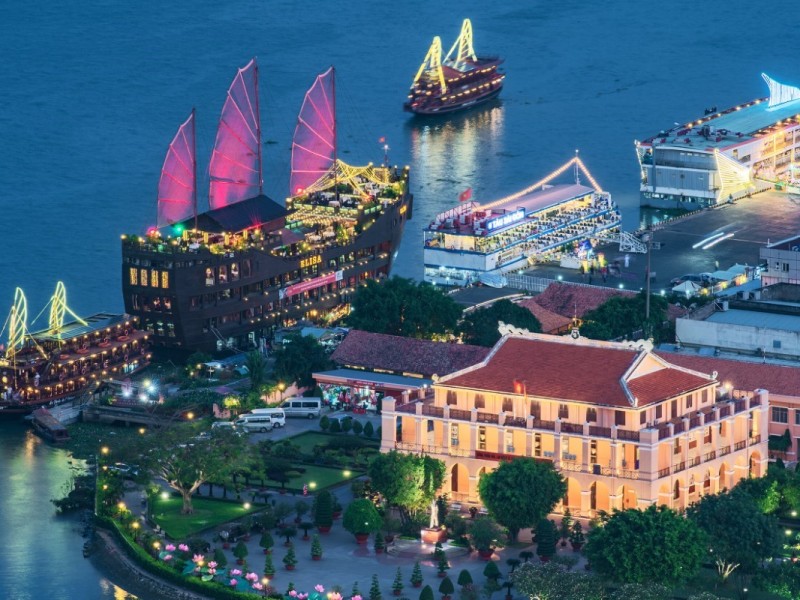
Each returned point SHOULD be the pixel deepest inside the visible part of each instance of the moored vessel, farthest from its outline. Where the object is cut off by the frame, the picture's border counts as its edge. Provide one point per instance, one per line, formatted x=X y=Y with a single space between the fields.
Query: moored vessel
x=462 y=80
x=227 y=277
x=481 y=242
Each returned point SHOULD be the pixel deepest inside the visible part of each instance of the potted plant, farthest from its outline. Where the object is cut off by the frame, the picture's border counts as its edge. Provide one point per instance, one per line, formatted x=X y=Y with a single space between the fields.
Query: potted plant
x=240 y=552
x=290 y=560
x=484 y=533
x=247 y=527
x=306 y=526
x=446 y=588
x=491 y=571
x=323 y=511
x=576 y=537
x=266 y=542
x=220 y=558
x=508 y=585
x=300 y=508
x=442 y=565
x=513 y=563
x=416 y=576
x=269 y=568
x=361 y=518
x=565 y=527
x=391 y=525
x=464 y=578
x=224 y=535
x=375 y=589
x=380 y=545
x=546 y=535
x=526 y=555
x=426 y=593
x=316 y=548
x=397 y=584
x=288 y=533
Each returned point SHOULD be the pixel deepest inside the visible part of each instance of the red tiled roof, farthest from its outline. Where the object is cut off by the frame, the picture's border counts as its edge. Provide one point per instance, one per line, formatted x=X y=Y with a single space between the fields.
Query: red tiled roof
x=405 y=355
x=551 y=322
x=742 y=375
x=572 y=371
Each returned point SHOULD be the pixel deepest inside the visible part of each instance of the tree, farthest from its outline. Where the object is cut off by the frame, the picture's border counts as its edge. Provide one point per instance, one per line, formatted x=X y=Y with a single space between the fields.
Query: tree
x=531 y=487
x=375 y=589
x=269 y=567
x=480 y=327
x=397 y=584
x=361 y=517
x=464 y=578
x=416 y=576
x=323 y=509
x=357 y=427
x=566 y=527
x=240 y=551
x=491 y=571
x=484 y=533
x=290 y=560
x=654 y=545
x=407 y=481
x=426 y=593
x=621 y=315
x=739 y=533
x=369 y=430
x=256 y=365
x=266 y=542
x=546 y=540
x=220 y=558
x=446 y=587
x=316 y=547
x=404 y=307
x=185 y=463
x=551 y=581
x=298 y=358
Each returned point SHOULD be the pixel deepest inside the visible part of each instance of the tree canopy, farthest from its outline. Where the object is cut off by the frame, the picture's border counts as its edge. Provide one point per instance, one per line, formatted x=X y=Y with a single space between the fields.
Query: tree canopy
x=739 y=533
x=399 y=306
x=551 y=581
x=532 y=488
x=479 y=327
x=408 y=481
x=296 y=360
x=621 y=315
x=654 y=545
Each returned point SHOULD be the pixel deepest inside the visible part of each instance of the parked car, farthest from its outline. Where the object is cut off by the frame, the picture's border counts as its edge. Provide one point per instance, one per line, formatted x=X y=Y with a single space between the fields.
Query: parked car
x=302 y=407
x=252 y=423
x=127 y=471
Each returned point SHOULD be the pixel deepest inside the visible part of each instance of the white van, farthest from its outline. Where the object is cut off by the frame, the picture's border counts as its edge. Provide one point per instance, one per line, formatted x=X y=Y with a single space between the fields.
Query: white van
x=302 y=407
x=251 y=423
x=276 y=414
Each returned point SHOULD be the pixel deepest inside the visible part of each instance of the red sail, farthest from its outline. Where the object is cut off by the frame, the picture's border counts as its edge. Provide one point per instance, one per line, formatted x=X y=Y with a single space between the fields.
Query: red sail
x=177 y=188
x=235 y=168
x=314 y=143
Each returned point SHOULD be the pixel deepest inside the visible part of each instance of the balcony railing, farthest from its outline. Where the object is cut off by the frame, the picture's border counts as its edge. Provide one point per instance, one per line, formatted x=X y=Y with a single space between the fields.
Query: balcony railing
x=631 y=436
x=693 y=462
x=725 y=450
x=411 y=408
x=461 y=415
x=710 y=456
x=572 y=428
x=681 y=466
x=740 y=445
x=725 y=411
x=488 y=418
x=597 y=431
x=426 y=449
x=548 y=425
x=694 y=422
x=756 y=439
x=516 y=422
x=740 y=405
x=432 y=411
x=664 y=472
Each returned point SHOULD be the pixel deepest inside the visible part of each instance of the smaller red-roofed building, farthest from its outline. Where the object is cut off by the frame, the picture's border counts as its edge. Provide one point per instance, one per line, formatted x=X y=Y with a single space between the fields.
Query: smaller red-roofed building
x=627 y=428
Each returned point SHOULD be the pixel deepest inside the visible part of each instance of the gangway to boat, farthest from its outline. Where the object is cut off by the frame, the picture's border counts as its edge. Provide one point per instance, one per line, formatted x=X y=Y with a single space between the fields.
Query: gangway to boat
x=627 y=241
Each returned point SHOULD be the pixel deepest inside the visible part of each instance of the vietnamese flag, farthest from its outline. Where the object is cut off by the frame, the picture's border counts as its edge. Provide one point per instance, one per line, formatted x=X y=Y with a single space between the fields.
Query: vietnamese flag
x=465 y=195
x=381 y=140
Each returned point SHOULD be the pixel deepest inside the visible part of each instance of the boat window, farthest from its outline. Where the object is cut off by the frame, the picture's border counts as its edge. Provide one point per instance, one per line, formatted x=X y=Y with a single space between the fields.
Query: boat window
x=246 y=268
x=134 y=276
x=154 y=278
x=223 y=274
x=143 y=277
x=209 y=276
x=234 y=272
x=165 y=279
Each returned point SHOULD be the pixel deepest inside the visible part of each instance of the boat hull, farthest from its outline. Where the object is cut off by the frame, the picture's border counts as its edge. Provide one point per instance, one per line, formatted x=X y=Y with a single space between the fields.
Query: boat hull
x=450 y=108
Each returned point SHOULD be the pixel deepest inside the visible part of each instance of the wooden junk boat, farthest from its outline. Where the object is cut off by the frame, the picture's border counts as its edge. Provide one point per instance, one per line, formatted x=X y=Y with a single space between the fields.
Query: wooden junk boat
x=47 y=426
x=67 y=358
x=462 y=80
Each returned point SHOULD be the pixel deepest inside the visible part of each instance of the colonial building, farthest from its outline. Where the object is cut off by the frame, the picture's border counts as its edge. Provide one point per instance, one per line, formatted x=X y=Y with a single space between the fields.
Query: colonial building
x=625 y=427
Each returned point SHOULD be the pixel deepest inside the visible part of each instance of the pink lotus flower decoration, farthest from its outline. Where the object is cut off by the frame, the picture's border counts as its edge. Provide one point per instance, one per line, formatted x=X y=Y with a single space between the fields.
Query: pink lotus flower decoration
x=293 y=593
x=183 y=547
x=212 y=571
x=212 y=565
x=236 y=572
x=356 y=597
x=233 y=583
x=198 y=558
x=319 y=588
x=258 y=586
x=251 y=577
x=168 y=557
x=170 y=547
x=334 y=596
x=302 y=596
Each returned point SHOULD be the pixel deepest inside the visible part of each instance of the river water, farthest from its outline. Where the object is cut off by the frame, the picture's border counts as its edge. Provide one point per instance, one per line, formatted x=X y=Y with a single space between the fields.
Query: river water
x=93 y=91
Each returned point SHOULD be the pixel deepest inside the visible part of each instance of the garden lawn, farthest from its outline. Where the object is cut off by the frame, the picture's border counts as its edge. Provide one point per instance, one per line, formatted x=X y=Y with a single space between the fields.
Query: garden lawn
x=318 y=478
x=307 y=440
x=207 y=513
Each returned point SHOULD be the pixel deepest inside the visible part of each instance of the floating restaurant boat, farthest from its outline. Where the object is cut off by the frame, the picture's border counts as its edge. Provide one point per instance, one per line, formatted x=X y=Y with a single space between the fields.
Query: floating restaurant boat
x=724 y=155
x=474 y=242
x=67 y=358
x=47 y=426
x=460 y=81
x=227 y=277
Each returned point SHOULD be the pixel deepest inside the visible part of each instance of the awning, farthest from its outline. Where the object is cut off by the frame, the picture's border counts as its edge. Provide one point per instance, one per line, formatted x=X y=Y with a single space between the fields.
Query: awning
x=356 y=378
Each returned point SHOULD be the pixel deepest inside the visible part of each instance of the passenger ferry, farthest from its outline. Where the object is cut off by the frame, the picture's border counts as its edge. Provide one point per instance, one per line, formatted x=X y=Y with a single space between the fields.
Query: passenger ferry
x=725 y=154
x=474 y=242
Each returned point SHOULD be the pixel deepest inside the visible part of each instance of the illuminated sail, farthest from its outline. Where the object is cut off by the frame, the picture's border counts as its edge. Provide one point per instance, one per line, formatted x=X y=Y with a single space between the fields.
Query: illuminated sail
x=431 y=65
x=314 y=142
x=464 y=53
x=17 y=327
x=177 y=188
x=58 y=308
x=235 y=168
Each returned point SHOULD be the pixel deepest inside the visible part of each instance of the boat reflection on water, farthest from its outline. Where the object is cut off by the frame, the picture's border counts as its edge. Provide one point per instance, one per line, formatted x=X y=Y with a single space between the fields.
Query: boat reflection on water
x=453 y=154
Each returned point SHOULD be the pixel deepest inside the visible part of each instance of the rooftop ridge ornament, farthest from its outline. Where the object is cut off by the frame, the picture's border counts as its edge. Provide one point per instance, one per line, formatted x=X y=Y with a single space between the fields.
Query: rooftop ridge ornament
x=463 y=44
x=780 y=93
x=432 y=64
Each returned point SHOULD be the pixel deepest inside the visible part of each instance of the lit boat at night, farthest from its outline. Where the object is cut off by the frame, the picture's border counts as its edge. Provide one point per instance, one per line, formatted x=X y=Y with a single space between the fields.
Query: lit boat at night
x=228 y=277
x=474 y=242
x=462 y=80
x=67 y=358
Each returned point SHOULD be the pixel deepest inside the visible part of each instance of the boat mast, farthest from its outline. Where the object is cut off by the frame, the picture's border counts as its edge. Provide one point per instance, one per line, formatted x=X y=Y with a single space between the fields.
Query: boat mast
x=258 y=132
x=194 y=167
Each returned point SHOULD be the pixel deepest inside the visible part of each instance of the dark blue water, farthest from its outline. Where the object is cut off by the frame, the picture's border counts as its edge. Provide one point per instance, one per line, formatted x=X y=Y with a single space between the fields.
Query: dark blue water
x=92 y=92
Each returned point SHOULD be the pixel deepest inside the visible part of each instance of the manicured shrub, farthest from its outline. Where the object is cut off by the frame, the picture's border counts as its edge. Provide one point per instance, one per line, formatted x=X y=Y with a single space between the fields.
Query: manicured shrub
x=358 y=428
x=369 y=431
x=323 y=509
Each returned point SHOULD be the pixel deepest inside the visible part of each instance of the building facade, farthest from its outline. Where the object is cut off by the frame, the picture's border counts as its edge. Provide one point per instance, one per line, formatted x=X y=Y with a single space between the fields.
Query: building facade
x=625 y=427
x=782 y=260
